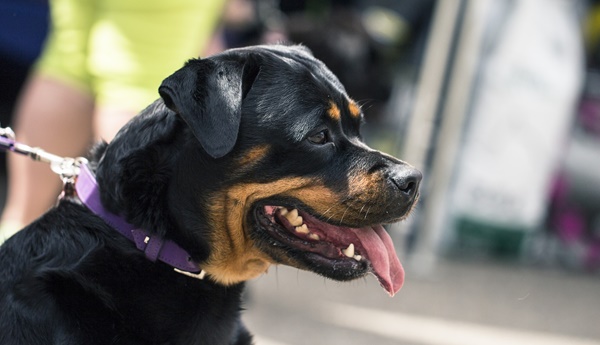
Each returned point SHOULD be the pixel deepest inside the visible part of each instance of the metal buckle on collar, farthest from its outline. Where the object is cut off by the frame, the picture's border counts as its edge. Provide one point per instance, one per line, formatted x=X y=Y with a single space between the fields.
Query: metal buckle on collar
x=199 y=276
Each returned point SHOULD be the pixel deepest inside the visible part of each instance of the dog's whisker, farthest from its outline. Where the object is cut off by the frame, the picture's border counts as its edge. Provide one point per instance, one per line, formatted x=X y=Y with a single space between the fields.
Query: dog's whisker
x=332 y=215
x=361 y=209
x=327 y=211
x=344 y=215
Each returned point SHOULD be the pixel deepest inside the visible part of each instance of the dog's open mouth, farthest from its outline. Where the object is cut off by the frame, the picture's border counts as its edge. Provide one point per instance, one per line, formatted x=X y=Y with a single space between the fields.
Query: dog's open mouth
x=339 y=252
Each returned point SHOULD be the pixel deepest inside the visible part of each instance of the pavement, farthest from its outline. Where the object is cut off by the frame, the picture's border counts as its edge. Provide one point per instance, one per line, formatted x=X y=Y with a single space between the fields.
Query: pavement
x=458 y=302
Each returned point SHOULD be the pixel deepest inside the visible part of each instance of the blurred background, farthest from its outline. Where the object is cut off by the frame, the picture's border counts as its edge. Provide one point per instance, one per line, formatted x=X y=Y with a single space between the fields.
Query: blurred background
x=498 y=103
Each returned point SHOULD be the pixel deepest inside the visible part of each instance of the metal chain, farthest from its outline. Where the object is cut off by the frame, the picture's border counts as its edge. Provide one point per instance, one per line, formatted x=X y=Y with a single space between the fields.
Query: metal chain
x=66 y=167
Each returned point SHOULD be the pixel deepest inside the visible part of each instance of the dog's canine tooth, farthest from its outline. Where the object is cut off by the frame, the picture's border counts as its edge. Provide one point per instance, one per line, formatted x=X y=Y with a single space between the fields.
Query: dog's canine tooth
x=314 y=236
x=283 y=211
x=303 y=229
x=297 y=222
x=357 y=257
x=293 y=217
x=292 y=214
x=349 y=252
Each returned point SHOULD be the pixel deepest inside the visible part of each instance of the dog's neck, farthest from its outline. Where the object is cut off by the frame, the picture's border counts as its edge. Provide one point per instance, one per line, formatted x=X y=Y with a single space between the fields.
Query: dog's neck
x=154 y=247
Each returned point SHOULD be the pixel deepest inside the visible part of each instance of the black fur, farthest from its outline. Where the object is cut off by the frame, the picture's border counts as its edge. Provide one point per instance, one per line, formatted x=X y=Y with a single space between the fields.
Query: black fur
x=69 y=278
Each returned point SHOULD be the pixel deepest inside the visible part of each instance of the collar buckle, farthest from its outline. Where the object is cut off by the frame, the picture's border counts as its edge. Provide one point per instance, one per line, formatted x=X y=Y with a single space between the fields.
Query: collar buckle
x=199 y=276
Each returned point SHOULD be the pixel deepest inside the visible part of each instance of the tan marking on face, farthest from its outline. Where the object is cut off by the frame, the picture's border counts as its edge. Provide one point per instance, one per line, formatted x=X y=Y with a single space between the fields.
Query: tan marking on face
x=333 y=111
x=253 y=155
x=234 y=257
x=353 y=108
x=365 y=197
x=368 y=198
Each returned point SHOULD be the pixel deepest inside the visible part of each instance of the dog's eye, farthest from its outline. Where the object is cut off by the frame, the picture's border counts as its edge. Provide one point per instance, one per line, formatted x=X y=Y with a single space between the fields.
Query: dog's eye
x=320 y=138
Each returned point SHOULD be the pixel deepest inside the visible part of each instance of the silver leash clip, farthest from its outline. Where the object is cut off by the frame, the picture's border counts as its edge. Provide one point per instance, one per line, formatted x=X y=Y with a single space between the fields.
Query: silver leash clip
x=66 y=167
x=7 y=132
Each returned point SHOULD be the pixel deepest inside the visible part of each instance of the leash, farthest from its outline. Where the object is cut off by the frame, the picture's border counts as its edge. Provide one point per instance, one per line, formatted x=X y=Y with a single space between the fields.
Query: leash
x=79 y=182
x=66 y=167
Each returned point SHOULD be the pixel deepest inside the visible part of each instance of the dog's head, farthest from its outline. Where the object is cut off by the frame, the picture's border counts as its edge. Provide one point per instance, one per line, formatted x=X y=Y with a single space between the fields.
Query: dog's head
x=254 y=157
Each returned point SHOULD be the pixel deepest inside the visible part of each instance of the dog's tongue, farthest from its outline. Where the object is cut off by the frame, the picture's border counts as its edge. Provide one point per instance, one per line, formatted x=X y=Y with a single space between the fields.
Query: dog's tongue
x=379 y=249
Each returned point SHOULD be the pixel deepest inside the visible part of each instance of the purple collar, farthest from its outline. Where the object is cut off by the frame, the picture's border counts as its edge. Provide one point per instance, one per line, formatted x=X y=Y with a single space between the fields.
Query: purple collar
x=154 y=247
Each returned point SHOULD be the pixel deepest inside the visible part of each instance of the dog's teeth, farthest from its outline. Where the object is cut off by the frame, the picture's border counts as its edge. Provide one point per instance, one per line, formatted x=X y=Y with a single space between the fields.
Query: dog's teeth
x=314 y=237
x=357 y=257
x=293 y=217
x=292 y=214
x=303 y=229
x=297 y=222
x=283 y=211
x=349 y=252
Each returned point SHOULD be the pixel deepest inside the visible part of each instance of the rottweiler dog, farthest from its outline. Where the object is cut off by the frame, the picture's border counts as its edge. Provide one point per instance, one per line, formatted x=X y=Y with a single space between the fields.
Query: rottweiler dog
x=251 y=157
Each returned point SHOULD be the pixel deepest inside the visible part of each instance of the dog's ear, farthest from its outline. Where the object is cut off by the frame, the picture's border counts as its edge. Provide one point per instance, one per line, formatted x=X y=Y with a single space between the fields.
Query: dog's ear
x=208 y=95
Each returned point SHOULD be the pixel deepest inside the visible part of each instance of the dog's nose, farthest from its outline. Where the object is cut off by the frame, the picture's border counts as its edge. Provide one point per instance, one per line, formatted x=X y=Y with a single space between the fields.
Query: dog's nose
x=407 y=179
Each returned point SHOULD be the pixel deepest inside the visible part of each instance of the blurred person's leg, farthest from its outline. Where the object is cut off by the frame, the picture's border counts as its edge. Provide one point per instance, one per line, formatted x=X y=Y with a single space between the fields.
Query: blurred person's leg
x=107 y=58
x=57 y=118
x=147 y=40
x=54 y=113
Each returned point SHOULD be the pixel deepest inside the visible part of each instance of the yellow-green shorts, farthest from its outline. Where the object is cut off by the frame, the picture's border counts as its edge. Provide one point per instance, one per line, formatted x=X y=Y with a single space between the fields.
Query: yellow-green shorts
x=120 y=50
